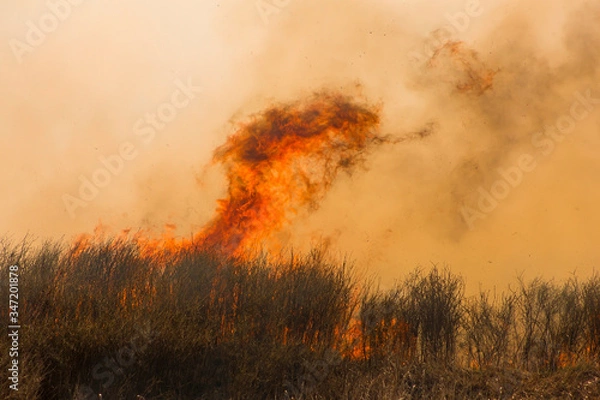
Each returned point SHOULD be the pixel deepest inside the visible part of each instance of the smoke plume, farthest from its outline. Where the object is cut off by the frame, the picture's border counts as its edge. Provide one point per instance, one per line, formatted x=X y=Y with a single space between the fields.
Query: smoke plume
x=138 y=96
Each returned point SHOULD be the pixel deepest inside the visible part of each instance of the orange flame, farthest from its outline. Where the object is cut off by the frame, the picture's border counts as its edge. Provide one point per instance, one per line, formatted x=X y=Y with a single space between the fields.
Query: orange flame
x=283 y=161
x=477 y=78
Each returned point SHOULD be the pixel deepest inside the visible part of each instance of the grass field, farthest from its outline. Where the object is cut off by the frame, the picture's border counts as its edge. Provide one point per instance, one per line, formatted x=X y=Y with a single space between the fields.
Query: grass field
x=108 y=318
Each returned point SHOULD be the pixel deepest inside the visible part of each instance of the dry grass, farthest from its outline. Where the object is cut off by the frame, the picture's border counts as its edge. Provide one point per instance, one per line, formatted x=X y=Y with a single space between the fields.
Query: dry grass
x=104 y=318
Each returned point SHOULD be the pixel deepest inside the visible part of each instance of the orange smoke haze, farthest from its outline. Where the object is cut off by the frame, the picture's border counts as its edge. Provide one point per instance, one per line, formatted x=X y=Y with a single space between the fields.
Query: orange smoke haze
x=280 y=163
x=506 y=184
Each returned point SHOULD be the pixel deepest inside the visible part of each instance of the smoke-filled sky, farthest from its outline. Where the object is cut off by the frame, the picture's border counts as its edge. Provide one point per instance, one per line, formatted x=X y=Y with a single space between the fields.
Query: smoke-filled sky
x=111 y=113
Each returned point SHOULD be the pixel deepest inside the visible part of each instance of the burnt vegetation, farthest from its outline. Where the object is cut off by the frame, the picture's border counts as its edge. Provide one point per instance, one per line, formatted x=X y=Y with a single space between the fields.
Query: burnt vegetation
x=105 y=318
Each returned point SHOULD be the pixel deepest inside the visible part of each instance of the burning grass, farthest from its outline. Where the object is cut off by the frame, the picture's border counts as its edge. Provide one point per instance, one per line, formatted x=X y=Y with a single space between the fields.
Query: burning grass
x=108 y=317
